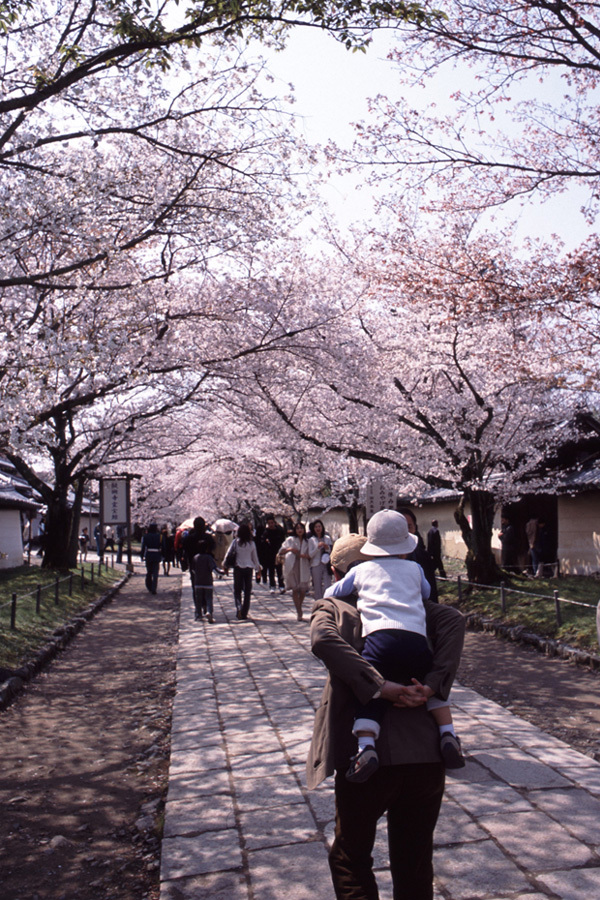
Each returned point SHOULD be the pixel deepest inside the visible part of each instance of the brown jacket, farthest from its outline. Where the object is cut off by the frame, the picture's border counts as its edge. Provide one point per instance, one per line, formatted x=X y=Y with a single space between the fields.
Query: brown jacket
x=407 y=735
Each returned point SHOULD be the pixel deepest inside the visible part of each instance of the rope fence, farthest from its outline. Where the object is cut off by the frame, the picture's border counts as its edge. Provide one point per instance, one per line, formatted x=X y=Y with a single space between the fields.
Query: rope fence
x=504 y=590
x=54 y=586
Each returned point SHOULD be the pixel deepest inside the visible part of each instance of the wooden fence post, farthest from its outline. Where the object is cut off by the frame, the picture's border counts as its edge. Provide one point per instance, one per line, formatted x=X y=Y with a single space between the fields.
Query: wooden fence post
x=558 y=610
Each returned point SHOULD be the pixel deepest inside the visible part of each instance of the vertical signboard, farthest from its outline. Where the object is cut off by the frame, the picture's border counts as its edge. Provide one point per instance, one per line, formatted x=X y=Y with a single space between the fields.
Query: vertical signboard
x=113 y=501
x=379 y=495
x=115 y=509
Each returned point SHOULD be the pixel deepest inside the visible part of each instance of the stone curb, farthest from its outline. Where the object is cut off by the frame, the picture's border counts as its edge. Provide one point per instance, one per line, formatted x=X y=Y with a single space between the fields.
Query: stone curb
x=61 y=637
x=518 y=635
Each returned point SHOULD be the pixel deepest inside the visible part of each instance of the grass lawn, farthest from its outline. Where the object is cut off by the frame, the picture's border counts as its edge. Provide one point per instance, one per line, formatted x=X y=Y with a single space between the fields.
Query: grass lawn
x=530 y=602
x=33 y=629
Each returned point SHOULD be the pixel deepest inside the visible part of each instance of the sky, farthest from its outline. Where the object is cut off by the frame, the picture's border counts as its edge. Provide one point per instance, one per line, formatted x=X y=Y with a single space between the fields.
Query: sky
x=332 y=86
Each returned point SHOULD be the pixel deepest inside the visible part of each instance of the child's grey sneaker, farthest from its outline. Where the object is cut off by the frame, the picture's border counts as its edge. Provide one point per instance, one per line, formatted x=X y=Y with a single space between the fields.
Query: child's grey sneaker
x=363 y=765
x=451 y=751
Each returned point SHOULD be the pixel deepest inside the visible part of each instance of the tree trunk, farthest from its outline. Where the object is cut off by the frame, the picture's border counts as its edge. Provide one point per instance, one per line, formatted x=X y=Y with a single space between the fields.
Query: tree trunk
x=482 y=567
x=62 y=526
x=353 y=518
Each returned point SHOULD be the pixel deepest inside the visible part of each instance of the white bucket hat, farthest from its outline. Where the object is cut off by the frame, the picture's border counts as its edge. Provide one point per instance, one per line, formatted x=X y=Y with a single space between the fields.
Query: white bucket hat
x=388 y=535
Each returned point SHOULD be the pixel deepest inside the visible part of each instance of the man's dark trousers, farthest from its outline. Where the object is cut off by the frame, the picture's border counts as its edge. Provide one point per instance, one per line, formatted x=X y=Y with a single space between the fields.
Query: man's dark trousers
x=412 y=796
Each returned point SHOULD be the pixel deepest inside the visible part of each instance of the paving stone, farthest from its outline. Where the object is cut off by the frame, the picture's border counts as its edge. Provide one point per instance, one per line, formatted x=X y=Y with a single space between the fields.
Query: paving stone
x=520 y=769
x=496 y=799
x=473 y=773
x=197 y=760
x=521 y=896
x=192 y=703
x=298 y=751
x=259 y=793
x=190 y=734
x=241 y=713
x=214 y=851
x=477 y=870
x=243 y=743
x=524 y=801
x=295 y=872
x=560 y=756
x=575 y=809
x=477 y=737
x=219 y=886
x=277 y=826
x=292 y=700
x=576 y=884
x=255 y=765
x=455 y=826
x=184 y=786
x=188 y=817
x=322 y=802
x=533 y=839
x=585 y=777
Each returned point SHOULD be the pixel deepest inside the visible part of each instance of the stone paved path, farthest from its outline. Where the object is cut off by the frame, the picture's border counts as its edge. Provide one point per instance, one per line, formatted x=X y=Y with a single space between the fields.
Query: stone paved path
x=520 y=822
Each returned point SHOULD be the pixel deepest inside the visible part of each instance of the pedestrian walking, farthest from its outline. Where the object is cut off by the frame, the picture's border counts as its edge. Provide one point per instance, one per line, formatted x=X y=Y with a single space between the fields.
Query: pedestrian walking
x=409 y=785
x=204 y=566
x=434 y=547
x=151 y=554
x=508 y=539
x=98 y=540
x=319 y=548
x=296 y=565
x=109 y=538
x=121 y=538
x=272 y=538
x=167 y=547
x=84 y=543
x=195 y=540
x=243 y=558
x=391 y=590
x=420 y=554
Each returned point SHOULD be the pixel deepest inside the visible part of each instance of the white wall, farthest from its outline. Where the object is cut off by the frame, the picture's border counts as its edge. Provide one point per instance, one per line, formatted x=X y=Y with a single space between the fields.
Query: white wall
x=11 y=542
x=579 y=534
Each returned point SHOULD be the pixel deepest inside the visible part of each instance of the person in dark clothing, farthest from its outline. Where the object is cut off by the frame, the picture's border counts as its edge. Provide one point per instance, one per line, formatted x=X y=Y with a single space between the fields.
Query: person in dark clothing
x=152 y=555
x=204 y=566
x=121 y=538
x=508 y=539
x=434 y=547
x=420 y=555
x=197 y=540
x=167 y=545
x=543 y=547
x=270 y=543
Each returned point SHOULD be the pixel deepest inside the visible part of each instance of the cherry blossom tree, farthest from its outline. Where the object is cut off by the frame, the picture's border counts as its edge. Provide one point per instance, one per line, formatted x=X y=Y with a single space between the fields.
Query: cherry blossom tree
x=518 y=118
x=139 y=164
x=428 y=377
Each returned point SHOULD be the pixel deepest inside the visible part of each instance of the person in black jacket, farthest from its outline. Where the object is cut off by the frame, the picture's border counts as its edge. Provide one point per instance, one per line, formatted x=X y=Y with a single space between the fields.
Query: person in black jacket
x=420 y=555
x=434 y=547
x=197 y=540
x=271 y=540
x=152 y=555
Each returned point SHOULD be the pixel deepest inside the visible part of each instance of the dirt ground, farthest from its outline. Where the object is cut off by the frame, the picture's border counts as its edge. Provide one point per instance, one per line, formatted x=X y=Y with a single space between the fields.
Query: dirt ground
x=85 y=748
x=556 y=695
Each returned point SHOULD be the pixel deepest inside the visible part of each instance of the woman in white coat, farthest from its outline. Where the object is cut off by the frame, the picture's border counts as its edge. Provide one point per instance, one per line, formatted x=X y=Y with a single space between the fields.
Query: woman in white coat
x=319 y=548
x=296 y=565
